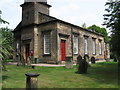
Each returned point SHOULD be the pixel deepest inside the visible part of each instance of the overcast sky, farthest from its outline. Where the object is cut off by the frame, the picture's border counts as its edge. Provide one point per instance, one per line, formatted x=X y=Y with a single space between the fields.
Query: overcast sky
x=73 y=11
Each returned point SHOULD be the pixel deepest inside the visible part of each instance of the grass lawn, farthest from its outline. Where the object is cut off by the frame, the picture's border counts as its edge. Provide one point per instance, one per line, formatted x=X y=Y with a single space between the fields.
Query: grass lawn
x=100 y=75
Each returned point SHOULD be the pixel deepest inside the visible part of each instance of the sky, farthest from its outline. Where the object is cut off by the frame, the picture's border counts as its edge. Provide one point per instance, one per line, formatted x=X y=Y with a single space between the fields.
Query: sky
x=73 y=11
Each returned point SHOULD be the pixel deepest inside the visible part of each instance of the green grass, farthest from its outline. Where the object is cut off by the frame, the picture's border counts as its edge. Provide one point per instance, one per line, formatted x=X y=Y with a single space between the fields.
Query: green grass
x=9 y=60
x=100 y=75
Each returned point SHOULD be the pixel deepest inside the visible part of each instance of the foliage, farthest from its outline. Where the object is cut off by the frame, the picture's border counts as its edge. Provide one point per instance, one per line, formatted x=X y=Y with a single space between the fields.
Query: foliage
x=3 y=21
x=84 y=25
x=100 y=75
x=7 y=33
x=112 y=21
x=5 y=49
x=100 y=30
x=6 y=40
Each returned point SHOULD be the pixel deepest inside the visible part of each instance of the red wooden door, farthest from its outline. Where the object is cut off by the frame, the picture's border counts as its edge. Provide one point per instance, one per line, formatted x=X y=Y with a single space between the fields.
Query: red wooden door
x=27 y=46
x=63 y=50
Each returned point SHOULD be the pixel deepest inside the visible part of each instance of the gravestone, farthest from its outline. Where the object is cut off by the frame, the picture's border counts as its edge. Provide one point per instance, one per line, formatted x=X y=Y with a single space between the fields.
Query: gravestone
x=83 y=65
x=92 y=59
x=115 y=59
x=68 y=62
x=23 y=60
x=86 y=57
x=18 y=58
x=79 y=58
x=29 y=61
x=31 y=81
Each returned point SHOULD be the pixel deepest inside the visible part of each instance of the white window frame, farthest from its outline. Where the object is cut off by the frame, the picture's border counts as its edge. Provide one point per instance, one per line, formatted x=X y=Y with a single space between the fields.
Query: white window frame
x=93 y=46
x=47 y=43
x=86 y=45
x=100 y=47
x=75 y=44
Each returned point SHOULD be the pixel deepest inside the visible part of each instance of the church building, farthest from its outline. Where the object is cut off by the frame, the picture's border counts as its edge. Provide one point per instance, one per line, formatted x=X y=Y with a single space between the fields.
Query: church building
x=52 y=40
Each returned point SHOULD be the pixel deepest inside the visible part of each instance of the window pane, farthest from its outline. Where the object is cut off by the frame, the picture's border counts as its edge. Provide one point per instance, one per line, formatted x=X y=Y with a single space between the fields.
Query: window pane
x=93 y=46
x=47 y=44
x=75 y=44
x=100 y=47
x=86 y=46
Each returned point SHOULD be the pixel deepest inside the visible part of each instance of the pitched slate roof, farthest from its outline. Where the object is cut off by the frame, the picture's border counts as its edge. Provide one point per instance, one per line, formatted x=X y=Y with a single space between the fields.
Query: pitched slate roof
x=19 y=26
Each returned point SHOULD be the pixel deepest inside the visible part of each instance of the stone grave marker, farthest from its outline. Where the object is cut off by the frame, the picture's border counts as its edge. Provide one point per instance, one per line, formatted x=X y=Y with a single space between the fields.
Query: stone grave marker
x=92 y=59
x=68 y=62
x=79 y=58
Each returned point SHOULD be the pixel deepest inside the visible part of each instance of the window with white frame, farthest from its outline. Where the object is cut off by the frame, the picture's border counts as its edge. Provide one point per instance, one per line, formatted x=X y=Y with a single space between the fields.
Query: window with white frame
x=86 y=45
x=75 y=44
x=47 y=43
x=100 y=47
x=93 y=46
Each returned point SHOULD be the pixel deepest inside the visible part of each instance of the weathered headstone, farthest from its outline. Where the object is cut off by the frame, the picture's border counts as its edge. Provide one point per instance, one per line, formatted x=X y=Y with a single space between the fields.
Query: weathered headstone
x=31 y=81
x=68 y=62
x=79 y=59
x=92 y=59
x=86 y=57
x=29 y=61
x=18 y=58
x=33 y=67
x=115 y=59
x=23 y=60
x=19 y=62
x=83 y=65
x=37 y=60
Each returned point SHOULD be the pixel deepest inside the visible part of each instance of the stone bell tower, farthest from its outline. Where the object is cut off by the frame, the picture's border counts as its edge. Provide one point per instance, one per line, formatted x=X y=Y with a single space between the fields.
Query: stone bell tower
x=31 y=10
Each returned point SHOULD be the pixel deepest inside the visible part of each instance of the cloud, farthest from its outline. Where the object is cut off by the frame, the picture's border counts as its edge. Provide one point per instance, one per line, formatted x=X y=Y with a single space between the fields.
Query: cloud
x=73 y=11
x=11 y=12
x=79 y=11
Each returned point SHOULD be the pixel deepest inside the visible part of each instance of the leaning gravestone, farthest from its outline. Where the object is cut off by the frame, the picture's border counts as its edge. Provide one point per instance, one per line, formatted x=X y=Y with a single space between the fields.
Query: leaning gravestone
x=92 y=59
x=68 y=62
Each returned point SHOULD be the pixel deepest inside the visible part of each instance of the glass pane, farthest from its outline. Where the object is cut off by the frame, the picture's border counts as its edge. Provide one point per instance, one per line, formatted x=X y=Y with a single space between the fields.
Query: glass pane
x=47 y=44
x=86 y=46
x=75 y=45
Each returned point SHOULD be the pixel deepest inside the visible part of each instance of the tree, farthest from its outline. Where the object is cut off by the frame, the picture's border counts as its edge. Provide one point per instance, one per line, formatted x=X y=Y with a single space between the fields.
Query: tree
x=7 y=33
x=84 y=25
x=112 y=21
x=100 y=30
x=1 y=20
x=6 y=39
